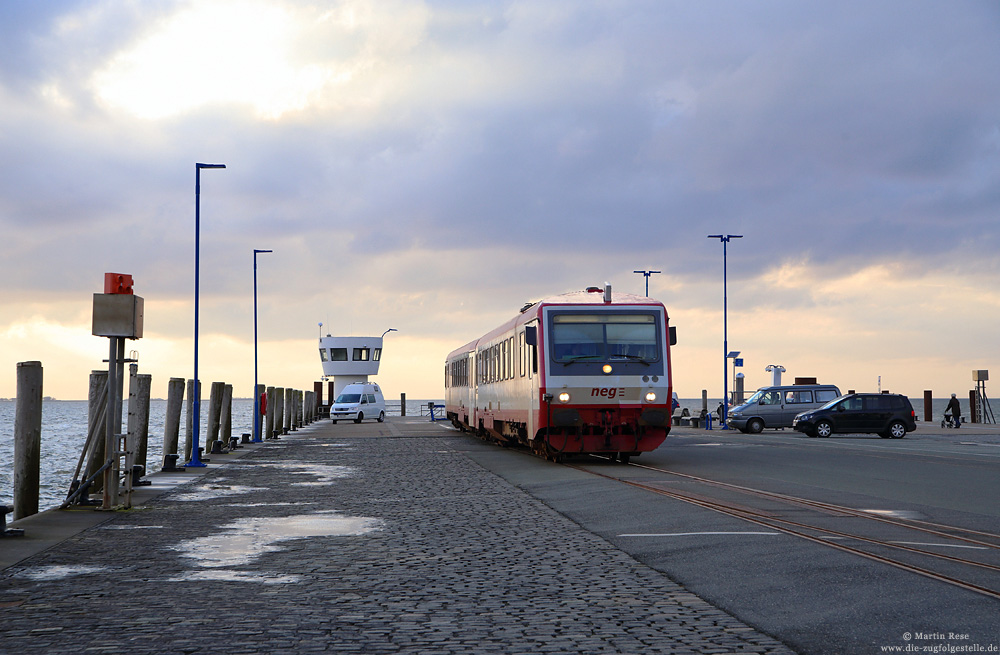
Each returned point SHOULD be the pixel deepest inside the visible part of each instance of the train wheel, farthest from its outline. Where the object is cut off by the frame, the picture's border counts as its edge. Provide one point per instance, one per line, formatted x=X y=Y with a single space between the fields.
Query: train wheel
x=624 y=457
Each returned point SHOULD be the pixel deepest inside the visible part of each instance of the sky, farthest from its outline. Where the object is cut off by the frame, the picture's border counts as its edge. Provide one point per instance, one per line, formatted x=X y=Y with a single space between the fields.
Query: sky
x=432 y=166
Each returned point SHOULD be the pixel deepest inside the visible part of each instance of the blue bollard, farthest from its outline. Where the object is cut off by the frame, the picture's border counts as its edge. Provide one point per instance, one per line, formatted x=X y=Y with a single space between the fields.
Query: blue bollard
x=708 y=421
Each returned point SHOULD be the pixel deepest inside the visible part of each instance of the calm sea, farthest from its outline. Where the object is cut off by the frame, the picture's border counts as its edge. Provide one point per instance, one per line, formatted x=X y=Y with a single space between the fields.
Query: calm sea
x=64 y=433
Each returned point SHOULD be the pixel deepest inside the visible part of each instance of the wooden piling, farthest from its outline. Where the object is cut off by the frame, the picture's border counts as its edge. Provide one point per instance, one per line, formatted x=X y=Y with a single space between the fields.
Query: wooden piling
x=279 y=411
x=288 y=426
x=227 y=413
x=402 y=404
x=27 y=439
x=973 y=406
x=138 y=417
x=257 y=421
x=269 y=414
x=97 y=418
x=172 y=421
x=928 y=410
x=189 y=434
x=214 y=414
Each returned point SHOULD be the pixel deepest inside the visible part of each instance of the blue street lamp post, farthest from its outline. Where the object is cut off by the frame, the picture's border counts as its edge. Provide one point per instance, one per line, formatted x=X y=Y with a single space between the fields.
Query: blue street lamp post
x=725 y=326
x=256 y=397
x=195 y=409
x=646 y=274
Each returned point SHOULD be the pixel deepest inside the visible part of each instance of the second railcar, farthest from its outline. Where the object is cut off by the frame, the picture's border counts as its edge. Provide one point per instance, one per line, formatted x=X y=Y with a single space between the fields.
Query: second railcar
x=583 y=372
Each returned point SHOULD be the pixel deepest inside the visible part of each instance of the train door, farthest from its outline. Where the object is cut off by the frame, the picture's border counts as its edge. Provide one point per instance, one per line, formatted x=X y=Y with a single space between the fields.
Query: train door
x=477 y=367
x=530 y=362
x=470 y=385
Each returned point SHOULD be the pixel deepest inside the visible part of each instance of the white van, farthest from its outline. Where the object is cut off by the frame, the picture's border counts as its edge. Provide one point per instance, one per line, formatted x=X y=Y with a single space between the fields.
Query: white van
x=775 y=407
x=357 y=402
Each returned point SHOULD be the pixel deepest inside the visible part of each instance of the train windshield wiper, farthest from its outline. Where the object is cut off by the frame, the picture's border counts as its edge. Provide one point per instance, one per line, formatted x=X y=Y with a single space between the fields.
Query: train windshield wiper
x=574 y=359
x=633 y=358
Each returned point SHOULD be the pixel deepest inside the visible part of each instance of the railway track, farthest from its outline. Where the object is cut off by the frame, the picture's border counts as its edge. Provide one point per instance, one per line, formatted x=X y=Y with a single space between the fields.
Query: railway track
x=862 y=545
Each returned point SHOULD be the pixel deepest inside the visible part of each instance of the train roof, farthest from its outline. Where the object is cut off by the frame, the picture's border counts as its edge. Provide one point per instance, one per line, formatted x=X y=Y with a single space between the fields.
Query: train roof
x=589 y=296
x=594 y=296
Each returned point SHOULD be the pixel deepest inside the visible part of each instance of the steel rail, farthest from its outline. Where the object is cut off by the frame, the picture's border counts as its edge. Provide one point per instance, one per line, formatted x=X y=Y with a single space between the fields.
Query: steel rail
x=912 y=524
x=768 y=522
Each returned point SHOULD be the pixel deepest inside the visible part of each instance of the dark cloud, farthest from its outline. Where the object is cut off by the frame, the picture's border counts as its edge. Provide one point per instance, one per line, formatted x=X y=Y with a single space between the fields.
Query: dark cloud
x=593 y=129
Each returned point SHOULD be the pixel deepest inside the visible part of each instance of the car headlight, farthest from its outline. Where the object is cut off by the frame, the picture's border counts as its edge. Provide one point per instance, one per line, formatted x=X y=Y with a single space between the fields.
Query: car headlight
x=564 y=396
x=650 y=396
x=735 y=415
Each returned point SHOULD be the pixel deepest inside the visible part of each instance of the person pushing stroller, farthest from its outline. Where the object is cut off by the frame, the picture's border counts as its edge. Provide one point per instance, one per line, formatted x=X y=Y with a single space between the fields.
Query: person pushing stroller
x=952 y=413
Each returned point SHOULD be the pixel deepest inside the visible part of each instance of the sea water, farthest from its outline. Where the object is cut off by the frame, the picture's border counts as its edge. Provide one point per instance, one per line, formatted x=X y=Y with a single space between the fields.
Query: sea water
x=64 y=434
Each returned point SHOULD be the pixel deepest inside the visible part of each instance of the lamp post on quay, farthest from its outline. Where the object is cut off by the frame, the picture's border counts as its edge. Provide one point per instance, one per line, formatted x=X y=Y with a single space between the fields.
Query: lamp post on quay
x=256 y=396
x=646 y=274
x=195 y=409
x=725 y=327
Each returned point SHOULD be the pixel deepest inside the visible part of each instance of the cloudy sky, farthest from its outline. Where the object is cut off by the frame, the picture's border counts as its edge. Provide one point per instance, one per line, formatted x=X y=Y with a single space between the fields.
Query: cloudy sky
x=431 y=166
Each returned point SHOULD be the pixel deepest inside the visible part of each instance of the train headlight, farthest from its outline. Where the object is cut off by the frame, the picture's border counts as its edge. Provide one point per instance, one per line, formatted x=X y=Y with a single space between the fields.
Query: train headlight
x=607 y=369
x=650 y=396
x=564 y=397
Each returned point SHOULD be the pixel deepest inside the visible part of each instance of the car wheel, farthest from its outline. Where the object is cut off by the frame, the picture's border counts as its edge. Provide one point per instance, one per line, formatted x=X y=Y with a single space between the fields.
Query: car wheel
x=824 y=429
x=361 y=417
x=897 y=430
x=755 y=426
x=381 y=417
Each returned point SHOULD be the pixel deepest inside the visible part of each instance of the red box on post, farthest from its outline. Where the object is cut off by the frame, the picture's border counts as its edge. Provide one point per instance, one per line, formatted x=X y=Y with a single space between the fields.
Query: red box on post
x=118 y=283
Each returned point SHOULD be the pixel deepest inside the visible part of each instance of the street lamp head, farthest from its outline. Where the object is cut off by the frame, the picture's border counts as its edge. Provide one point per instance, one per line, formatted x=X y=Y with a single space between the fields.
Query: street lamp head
x=255 y=251
x=198 y=165
x=389 y=330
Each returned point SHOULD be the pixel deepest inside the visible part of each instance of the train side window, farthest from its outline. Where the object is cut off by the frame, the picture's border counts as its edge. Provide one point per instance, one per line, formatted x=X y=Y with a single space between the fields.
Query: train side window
x=503 y=359
x=520 y=354
x=510 y=358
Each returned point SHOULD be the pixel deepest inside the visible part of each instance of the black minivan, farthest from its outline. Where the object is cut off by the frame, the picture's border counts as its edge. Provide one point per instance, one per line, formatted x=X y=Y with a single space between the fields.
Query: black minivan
x=888 y=415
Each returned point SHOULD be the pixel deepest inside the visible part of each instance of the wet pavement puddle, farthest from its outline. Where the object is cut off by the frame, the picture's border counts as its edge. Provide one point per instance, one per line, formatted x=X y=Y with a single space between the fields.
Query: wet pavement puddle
x=324 y=473
x=59 y=571
x=244 y=540
x=213 y=491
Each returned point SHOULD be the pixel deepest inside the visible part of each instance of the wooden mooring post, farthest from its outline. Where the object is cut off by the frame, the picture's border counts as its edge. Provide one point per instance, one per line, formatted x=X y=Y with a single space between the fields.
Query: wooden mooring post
x=172 y=422
x=226 y=429
x=288 y=427
x=279 y=412
x=138 y=415
x=214 y=415
x=189 y=433
x=27 y=439
x=269 y=414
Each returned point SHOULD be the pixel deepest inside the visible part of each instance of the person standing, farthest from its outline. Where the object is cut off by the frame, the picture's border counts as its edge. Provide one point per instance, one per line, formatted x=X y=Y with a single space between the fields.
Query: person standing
x=955 y=409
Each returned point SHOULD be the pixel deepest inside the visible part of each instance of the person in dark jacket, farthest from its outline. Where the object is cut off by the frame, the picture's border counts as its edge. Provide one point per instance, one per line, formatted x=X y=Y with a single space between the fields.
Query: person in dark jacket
x=955 y=409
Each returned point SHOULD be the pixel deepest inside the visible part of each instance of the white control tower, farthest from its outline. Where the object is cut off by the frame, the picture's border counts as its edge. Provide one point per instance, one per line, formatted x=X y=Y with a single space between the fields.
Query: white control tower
x=349 y=359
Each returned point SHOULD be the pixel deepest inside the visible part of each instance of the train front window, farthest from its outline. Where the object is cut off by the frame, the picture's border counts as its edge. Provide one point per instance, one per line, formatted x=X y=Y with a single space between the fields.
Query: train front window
x=604 y=338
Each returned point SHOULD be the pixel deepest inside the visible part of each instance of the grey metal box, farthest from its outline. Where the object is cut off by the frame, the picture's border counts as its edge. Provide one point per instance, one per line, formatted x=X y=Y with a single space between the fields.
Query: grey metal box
x=117 y=315
x=980 y=375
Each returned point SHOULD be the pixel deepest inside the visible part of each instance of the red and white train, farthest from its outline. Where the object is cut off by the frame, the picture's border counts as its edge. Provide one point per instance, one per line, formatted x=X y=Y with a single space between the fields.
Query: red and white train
x=584 y=372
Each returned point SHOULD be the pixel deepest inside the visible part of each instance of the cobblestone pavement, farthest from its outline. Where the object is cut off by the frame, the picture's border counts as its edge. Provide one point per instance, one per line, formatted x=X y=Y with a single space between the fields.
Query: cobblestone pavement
x=324 y=542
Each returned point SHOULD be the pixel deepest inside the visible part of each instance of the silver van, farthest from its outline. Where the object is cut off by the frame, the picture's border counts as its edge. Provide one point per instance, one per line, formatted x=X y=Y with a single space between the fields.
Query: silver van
x=775 y=407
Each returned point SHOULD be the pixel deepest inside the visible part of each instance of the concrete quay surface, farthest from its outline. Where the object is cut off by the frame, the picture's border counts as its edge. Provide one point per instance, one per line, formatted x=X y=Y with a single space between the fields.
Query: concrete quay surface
x=374 y=538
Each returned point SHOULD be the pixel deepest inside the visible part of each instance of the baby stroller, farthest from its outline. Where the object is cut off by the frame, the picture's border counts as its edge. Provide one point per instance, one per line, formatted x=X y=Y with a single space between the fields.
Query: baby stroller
x=951 y=421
